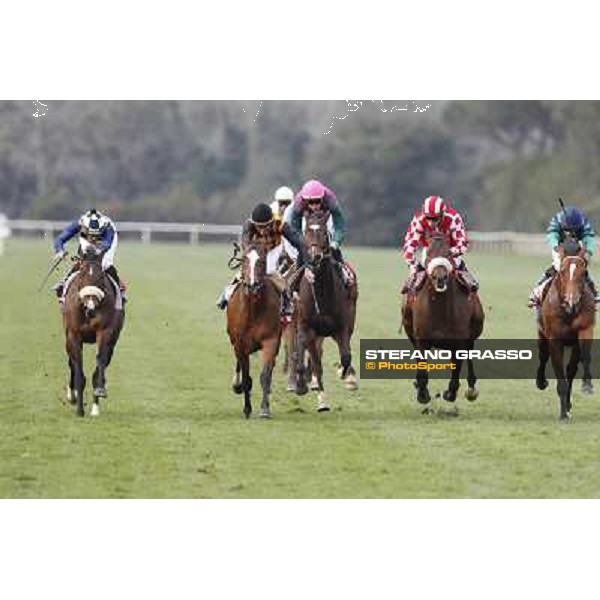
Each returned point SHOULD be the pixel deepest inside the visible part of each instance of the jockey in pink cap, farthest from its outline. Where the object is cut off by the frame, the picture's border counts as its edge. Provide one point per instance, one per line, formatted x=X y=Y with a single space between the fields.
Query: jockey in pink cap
x=437 y=217
x=314 y=196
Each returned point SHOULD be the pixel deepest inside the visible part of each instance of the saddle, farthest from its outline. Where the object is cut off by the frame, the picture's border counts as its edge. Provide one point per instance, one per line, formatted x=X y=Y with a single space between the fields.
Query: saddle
x=414 y=284
x=71 y=278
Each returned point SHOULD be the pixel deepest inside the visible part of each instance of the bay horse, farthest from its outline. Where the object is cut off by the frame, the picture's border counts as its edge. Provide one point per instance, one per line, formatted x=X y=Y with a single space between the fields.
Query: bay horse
x=324 y=308
x=90 y=316
x=441 y=314
x=253 y=323
x=566 y=319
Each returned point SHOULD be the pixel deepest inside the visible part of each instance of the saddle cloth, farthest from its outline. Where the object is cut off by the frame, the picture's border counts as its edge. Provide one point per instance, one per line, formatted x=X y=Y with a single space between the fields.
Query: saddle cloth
x=118 y=295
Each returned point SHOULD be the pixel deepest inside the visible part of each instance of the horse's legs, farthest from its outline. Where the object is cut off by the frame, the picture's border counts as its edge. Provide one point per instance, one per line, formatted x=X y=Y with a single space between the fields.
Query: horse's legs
x=104 y=339
x=562 y=386
x=269 y=352
x=317 y=365
x=544 y=355
x=472 y=392
x=290 y=346
x=74 y=349
x=71 y=392
x=236 y=382
x=572 y=366
x=454 y=383
x=302 y=341
x=585 y=344
x=348 y=374
x=244 y=362
x=422 y=377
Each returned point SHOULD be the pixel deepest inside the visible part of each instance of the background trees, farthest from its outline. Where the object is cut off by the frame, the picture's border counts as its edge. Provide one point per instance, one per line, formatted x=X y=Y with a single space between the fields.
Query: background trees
x=502 y=163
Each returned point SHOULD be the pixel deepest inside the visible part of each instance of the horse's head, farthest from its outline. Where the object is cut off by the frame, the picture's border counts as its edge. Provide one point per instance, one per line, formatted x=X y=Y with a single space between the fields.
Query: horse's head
x=91 y=280
x=439 y=266
x=573 y=267
x=316 y=237
x=254 y=266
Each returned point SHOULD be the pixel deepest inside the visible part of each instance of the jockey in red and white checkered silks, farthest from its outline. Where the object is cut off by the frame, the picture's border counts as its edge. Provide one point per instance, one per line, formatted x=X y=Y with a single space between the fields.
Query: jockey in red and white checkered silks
x=435 y=218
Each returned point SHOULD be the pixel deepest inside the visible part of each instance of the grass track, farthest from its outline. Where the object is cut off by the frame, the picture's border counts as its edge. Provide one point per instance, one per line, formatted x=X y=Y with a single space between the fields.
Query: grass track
x=171 y=427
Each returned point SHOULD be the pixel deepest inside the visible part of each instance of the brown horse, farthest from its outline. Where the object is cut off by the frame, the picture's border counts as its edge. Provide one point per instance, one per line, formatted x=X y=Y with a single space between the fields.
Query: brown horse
x=325 y=308
x=90 y=316
x=253 y=323
x=567 y=317
x=442 y=314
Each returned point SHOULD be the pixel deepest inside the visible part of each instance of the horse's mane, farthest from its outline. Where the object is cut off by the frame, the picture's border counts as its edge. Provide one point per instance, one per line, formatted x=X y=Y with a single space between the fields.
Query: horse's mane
x=438 y=246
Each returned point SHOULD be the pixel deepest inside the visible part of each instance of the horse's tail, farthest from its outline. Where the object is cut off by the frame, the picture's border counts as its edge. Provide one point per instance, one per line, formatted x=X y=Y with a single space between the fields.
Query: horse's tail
x=323 y=325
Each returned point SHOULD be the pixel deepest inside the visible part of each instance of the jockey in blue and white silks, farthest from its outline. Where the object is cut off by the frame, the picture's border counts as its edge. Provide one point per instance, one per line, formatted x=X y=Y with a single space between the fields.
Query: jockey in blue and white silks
x=93 y=228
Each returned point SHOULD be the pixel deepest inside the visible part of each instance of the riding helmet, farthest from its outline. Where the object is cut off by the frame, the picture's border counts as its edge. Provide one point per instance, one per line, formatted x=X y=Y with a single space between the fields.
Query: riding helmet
x=434 y=206
x=571 y=219
x=262 y=214
x=93 y=222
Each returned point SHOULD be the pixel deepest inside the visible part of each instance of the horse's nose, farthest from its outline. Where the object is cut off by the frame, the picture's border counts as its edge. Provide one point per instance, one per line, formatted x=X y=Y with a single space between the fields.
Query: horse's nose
x=90 y=312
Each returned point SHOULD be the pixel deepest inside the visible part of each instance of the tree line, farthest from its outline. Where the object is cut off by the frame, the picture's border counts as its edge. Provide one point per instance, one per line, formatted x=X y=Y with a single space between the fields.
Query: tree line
x=502 y=163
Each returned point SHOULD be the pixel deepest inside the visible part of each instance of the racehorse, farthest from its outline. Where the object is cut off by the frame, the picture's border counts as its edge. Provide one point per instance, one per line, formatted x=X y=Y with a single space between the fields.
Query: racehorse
x=325 y=308
x=567 y=317
x=441 y=314
x=253 y=323
x=90 y=316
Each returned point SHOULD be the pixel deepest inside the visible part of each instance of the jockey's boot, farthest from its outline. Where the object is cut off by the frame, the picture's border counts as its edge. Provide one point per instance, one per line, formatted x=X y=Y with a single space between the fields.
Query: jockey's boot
x=112 y=271
x=227 y=293
x=534 y=298
x=592 y=285
x=59 y=288
x=469 y=279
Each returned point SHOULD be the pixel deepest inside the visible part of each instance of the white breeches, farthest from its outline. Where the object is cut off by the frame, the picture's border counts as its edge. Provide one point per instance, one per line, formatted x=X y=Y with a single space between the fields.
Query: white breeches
x=272 y=258
x=109 y=256
x=556 y=260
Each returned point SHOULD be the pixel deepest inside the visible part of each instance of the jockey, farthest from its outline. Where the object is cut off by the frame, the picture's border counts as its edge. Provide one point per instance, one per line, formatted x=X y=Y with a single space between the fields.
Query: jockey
x=436 y=217
x=284 y=196
x=314 y=196
x=263 y=226
x=93 y=228
x=568 y=222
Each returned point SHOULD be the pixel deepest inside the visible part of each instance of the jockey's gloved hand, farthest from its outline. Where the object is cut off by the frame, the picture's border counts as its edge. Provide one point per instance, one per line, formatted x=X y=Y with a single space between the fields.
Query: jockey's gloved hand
x=309 y=275
x=60 y=254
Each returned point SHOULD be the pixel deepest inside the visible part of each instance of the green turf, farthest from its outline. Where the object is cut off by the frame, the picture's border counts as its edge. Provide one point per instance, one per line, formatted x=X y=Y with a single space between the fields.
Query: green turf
x=171 y=427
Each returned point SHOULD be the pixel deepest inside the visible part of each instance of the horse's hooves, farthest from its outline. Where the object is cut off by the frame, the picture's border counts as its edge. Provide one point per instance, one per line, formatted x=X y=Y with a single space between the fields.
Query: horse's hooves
x=265 y=414
x=237 y=388
x=247 y=413
x=449 y=396
x=290 y=388
x=472 y=394
x=100 y=393
x=424 y=398
x=80 y=413
x=541 y=384
x=351 y=383
x=314 y=384
x=587 y=387
x=565 y=419
x=340 y=372
x=301 y=390
x=95 y=412
x=322 y=405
